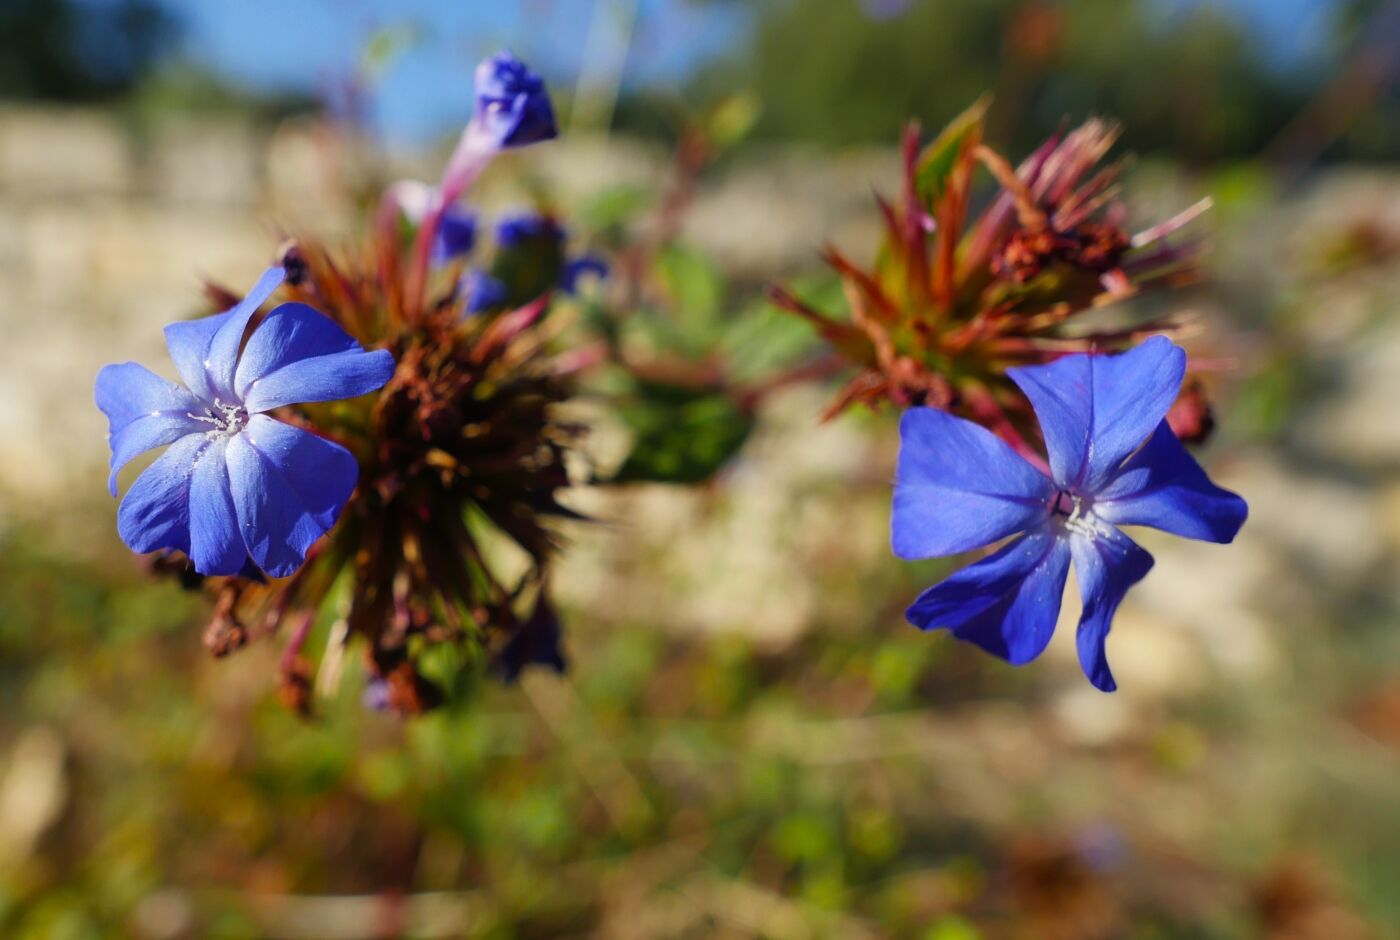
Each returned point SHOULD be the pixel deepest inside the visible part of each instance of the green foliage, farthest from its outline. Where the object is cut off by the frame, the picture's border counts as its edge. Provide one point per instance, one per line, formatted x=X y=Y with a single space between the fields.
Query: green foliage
x=1194 y=82
x=695 y=291
x=940 y=157
x=682 y=435
x=70 y=51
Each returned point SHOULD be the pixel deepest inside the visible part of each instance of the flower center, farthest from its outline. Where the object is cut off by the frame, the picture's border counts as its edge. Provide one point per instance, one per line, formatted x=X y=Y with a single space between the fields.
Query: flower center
x=1075 y=514
x=227 y=419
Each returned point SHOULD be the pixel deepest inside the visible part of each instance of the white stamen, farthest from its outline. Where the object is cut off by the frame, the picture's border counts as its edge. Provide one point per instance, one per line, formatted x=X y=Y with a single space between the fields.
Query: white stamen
x=226 y=419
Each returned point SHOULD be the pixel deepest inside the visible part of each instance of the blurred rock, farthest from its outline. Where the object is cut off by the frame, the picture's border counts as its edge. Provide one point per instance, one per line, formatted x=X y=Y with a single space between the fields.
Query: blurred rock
x=63 y=153
x=33 y=792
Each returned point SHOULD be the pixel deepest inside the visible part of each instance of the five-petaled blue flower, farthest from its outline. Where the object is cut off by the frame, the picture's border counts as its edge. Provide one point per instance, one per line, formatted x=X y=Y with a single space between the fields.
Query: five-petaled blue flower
x=512 y=106
x=1113 y=461
x=237 y=484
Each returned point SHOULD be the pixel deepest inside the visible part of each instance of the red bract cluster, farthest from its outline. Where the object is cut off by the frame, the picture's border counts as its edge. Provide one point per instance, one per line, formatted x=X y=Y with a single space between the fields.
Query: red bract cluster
x=956 y=297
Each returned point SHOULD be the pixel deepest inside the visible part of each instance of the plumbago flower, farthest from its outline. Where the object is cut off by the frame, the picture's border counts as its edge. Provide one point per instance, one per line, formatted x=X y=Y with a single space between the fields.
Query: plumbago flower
x=403 y=499
x=1113 y=461
x=238 y=491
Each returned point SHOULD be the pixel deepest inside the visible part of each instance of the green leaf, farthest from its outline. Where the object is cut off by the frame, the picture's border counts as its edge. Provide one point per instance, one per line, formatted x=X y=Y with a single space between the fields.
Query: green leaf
x=682 y=435
x=386 y=46
x=732 y=118
x=613 y=207
x=939 y=158
x=696 y=290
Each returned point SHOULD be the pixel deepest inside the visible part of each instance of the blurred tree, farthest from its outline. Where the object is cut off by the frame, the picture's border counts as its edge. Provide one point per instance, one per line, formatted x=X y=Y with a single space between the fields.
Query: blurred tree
x=1191 y=80
x=67 y=50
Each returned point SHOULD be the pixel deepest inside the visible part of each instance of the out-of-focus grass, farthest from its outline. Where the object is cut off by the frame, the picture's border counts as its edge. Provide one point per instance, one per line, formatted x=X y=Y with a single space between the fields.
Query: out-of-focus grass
x=864 y=781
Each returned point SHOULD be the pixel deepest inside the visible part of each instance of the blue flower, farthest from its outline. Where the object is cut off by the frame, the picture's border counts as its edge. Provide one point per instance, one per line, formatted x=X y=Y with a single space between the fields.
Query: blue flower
x=540 y=236
x=456 y=234
x=1113 y=461
x=516 y=230
x=482 y=291
x=578 y=267
x=235 y=483
x=512 y=106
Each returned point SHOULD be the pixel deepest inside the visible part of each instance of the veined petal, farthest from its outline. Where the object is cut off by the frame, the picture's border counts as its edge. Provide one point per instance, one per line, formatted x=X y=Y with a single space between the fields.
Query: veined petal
x=155 y=513
x=206 y=350
x=959 y=487
x=188 y=342
x=1162 y=486
x=300 y=355
x=1095 y=410
x=1107 y=566
x=145 y=434
x=1007 y=603
x=216 y=548
x=289 y=487
x=143 y=411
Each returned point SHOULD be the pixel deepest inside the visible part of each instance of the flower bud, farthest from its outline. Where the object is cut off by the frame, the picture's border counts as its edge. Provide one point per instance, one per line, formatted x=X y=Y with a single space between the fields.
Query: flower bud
x=512 y=106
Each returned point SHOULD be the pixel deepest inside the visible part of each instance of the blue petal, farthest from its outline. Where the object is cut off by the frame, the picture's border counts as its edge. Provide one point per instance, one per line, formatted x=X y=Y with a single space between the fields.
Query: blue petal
x=300 y=355
x=289 y=487
x=155 y=513
x=215 y=544
x=514 y=231
x=959 y=487
x=1007 y=603
x=206 y=350
x=1107 y=566
x=482 y=291
x=456 y=235
x=188 y=341
x=1095 y=410
x=1162 y=486
x=143 y=411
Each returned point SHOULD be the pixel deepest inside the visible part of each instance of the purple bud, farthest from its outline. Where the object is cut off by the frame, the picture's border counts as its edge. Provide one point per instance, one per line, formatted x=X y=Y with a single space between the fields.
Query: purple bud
x=482 y=291
x=512 y=106
x=536 y=642
x=455 y=236
x=514 y=230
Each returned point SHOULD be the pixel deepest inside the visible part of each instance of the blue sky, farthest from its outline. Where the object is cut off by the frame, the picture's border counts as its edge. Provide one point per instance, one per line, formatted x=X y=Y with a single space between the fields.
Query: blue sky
x=310 y=45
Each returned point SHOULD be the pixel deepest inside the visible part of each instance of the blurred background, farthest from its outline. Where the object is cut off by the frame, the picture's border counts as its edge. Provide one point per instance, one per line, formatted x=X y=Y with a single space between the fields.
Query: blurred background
x=750 y=741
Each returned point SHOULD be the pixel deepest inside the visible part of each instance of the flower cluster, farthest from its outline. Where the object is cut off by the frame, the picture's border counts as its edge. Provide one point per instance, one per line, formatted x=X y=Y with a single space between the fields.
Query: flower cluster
x=355 y=460
x=360 y=459
x=974 y=326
